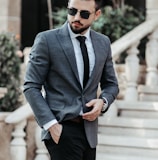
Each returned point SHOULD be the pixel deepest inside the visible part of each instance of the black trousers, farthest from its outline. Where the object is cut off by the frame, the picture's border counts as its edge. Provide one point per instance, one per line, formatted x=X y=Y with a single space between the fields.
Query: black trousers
x=72 y=145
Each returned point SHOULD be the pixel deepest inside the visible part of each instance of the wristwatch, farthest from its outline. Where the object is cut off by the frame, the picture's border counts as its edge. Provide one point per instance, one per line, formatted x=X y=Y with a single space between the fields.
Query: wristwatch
x=105 y=105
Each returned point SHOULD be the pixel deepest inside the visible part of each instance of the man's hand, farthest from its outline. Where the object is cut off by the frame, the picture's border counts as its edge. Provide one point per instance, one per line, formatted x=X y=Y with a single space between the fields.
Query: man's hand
x=97 y=105
x=55 y=131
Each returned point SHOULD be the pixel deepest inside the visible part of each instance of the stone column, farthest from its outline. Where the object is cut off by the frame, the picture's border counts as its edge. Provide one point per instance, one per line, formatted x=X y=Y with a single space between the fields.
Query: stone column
x=41 y=152
x=18 y=143
x=10 y=16
x=152 y=59
x=152 y=9
x=132 y=73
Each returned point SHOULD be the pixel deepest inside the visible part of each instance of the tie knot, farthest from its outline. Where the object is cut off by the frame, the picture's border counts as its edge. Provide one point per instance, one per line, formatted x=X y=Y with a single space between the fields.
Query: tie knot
x=81 y=39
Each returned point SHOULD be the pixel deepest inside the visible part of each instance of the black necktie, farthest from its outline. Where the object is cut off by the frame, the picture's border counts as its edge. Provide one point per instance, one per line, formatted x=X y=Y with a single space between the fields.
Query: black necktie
x=82 y=39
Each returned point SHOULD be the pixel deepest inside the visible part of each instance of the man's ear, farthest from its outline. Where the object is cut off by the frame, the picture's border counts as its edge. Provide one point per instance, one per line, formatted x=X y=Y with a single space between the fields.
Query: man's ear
x=97 y=14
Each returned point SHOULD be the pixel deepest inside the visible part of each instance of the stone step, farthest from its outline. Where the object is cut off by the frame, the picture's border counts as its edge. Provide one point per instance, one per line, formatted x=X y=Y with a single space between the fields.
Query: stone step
x=148 y=93
x=137 y=109
x=115 y=150
x=139 y=105
x=129 y=122
x=124 y=131
x=128 y=127
x=124 y=145
x=106 y=156
x=132 y=134
x=128 y=141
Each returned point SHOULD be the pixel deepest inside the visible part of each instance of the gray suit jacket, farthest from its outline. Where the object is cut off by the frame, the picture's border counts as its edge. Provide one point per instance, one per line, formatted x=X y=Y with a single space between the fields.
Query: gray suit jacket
x=52 y=64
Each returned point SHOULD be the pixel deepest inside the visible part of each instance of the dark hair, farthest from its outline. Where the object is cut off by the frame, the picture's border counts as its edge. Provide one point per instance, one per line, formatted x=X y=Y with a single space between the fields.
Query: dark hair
x=98 y=4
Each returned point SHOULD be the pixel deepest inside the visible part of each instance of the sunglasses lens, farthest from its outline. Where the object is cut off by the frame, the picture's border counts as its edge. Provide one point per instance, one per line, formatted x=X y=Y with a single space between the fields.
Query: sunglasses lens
x=84 y=14
x=72 y=11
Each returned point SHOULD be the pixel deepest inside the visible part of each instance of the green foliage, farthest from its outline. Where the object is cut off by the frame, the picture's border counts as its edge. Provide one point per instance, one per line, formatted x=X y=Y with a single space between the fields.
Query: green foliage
x=9 y=72
x=59 y=16
x=116 y=22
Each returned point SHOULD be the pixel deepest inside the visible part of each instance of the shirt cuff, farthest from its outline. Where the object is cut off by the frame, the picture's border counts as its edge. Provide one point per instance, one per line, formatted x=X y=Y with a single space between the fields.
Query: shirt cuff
x=106 y=101
x=49 y=124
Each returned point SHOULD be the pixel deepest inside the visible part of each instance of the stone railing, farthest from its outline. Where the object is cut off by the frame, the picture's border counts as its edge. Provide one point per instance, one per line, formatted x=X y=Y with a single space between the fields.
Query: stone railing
x=128 y=43
x=18 y=145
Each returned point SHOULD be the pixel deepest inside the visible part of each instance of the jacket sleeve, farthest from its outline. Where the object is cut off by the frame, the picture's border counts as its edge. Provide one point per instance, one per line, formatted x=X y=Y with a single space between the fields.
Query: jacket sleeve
x=108 y=82
x=36 y=73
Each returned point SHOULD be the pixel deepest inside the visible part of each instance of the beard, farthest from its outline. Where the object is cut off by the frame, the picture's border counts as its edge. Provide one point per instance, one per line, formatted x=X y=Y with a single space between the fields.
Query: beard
x=78 y=30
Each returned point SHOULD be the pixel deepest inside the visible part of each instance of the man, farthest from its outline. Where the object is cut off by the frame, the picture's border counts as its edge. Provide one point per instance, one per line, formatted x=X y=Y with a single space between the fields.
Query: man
x=69 y=110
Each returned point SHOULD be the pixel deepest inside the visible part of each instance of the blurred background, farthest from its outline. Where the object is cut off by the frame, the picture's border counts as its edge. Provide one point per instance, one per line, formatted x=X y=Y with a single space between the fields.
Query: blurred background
x=26 y=18
x=129 y=130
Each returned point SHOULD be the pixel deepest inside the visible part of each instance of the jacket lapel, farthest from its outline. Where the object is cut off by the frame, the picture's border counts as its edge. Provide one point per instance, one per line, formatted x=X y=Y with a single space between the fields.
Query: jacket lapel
x=67 y=46
x=97 y=51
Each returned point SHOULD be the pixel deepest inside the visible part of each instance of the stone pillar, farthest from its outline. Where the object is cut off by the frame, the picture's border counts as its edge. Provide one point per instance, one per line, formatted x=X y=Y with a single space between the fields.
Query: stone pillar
x=152 y=9
x=18 y=143
x=149 y=91
x=152 y=59
x=10 y=16
x=132 y=73
x=41 y=152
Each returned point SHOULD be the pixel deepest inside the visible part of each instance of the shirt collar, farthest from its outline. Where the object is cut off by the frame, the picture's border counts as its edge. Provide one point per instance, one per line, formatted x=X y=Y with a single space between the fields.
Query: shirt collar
x=73 y=35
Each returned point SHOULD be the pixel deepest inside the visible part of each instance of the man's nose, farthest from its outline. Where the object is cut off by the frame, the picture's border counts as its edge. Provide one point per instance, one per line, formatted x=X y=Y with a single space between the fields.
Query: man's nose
x=77 y=16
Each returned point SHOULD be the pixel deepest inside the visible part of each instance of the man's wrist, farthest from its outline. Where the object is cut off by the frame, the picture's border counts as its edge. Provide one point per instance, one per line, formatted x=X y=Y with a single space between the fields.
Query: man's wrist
x=49 y=124
x=105 y=105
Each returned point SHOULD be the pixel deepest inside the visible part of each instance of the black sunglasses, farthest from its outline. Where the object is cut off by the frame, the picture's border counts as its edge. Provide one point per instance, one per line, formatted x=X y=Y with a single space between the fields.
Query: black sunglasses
x=83 y=13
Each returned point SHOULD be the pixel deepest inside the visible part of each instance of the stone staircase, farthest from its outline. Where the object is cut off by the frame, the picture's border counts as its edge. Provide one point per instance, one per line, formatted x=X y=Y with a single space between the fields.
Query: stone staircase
x=130 y=135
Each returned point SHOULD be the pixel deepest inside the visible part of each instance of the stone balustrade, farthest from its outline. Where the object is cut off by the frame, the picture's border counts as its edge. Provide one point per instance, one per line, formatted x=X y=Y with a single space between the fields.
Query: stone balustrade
x=18 y=145
x=152 y=59
x=129 y=43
